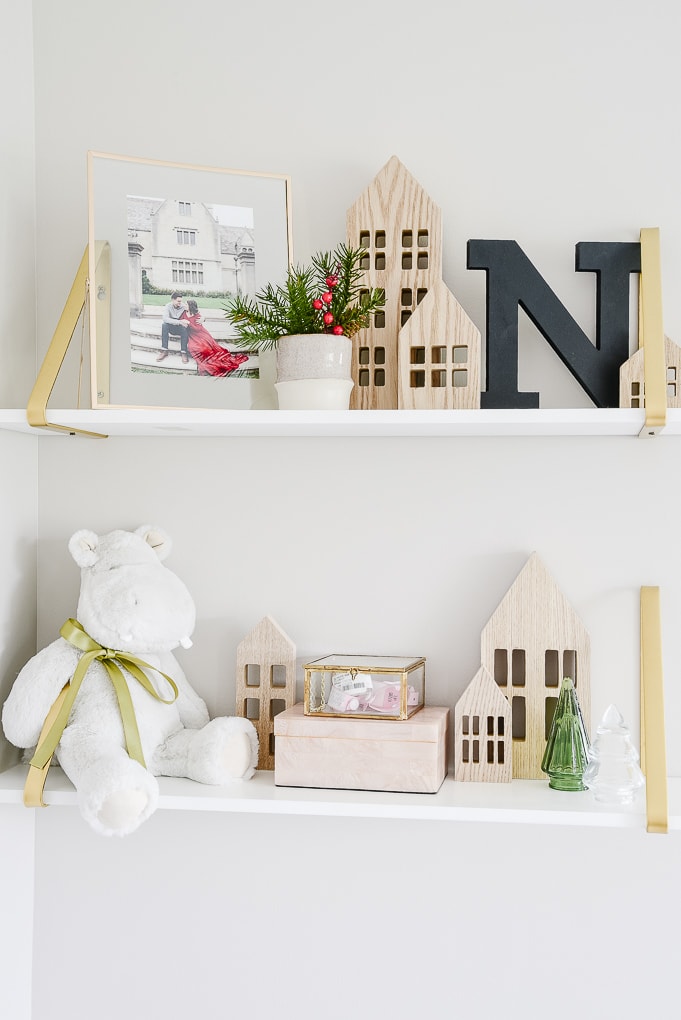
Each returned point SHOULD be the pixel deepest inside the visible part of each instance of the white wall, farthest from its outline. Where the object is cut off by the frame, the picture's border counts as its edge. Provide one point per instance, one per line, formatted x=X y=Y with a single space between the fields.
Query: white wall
x=18 y=488
x=523 y=120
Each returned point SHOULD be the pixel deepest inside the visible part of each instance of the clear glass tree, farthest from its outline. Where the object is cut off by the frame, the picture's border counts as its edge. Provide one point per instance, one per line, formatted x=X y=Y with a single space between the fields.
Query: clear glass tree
x=567 y=750
x=613 y=774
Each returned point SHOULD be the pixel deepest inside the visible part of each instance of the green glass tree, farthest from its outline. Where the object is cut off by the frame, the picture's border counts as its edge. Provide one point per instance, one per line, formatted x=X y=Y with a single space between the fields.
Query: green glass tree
x=567 y=751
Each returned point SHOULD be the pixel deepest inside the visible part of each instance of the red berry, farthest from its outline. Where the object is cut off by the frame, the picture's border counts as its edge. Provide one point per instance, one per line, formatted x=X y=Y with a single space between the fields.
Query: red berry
x=328 y=318
x=327 y=297
x=317 y=304
x=338 y=330
x=332 y=281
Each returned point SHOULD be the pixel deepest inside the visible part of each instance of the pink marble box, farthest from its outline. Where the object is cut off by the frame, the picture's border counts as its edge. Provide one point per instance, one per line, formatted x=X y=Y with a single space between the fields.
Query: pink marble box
x=407 y=756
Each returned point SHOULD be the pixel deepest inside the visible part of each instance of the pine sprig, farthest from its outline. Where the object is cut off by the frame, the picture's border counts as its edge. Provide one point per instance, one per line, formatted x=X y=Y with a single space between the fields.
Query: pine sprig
x=327 y=297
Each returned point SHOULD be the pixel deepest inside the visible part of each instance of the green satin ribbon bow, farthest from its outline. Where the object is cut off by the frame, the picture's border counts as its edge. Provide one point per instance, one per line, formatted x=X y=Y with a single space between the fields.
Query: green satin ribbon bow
x=112 y=660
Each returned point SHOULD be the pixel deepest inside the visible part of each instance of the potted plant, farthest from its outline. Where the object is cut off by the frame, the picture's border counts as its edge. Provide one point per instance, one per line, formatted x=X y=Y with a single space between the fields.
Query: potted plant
x=310 y=321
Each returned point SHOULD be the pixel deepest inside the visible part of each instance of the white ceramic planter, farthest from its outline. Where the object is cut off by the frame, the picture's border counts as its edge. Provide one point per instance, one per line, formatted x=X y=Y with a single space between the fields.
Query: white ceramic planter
x=314 y=372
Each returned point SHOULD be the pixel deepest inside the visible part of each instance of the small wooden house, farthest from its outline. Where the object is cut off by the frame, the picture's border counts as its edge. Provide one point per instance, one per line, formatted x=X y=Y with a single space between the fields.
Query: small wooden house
x=439 y=355
x=533 y=639
x=400 y=229
x=482 y=733
x=632 y=390
x=265 y=682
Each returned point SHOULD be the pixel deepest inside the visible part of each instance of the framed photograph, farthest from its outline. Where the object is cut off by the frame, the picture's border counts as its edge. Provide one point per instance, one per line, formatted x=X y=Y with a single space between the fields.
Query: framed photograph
x=168 y=244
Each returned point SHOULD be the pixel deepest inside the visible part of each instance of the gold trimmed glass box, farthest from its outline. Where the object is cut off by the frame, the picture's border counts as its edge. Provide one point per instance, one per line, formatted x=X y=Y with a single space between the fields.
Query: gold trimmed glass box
x=366 y=686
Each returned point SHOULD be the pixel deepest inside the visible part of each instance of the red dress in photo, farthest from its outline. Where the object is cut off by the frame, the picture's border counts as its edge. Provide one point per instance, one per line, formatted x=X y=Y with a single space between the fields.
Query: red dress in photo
x=210 y=357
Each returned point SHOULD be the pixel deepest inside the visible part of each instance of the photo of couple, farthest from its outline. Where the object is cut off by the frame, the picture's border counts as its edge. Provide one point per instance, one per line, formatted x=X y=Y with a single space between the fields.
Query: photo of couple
x=182 y=321
x=185 y=259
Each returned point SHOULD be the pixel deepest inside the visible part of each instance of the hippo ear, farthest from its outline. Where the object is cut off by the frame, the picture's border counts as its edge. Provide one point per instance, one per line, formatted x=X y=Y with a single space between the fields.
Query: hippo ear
x=157 y=538
x=84 y=547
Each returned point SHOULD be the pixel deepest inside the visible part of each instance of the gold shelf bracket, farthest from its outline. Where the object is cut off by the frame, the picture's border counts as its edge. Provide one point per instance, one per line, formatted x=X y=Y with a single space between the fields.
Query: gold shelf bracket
x=653 y=742
x=36 y=409
x=651 y=333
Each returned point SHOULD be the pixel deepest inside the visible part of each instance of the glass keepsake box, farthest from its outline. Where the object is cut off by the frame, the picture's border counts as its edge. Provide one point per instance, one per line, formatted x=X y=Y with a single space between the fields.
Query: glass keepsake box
x=370 y=686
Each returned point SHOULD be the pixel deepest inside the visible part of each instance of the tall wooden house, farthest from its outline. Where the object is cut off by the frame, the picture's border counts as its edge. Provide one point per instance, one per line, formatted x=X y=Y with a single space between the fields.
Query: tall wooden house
x=439 y=355
x=632 y=391
x=533 y=639
x=482 y=733
x=265 y=682
x=400 y=229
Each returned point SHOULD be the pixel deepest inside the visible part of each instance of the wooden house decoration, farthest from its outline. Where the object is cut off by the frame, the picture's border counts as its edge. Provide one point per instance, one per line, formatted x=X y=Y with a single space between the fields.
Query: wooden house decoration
x=533 y=639
x=439 y=355
x=265 y=682
x=400 y=228
x=632 y=389
x=482 y=733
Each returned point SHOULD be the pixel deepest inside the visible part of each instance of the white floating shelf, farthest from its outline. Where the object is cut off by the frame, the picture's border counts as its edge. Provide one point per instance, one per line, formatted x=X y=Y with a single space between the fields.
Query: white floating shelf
x=519 y=802
x=203 y=423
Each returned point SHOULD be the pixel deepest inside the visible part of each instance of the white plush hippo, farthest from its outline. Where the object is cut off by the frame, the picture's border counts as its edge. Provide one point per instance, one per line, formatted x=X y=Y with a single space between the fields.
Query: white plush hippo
x=129 y=603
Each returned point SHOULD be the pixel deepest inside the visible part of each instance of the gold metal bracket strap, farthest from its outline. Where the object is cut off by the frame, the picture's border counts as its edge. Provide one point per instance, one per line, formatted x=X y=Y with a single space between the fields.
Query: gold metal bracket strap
x=651 y=329
x=35 y=780
x=36 y=410
x=653 y=744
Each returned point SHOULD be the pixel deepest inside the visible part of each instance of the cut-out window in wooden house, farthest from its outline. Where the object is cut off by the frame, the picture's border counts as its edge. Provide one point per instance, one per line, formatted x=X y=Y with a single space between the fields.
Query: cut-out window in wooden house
x=406 y=297
x=417 y=379
x=407 y=239
x=420 y=294
x=671 y=382
x=422 y=260
x=501 y=666
x=364 y=377
x=551 y=668
x=278 y=676
x=407 y=260
x=379 y=377
x=364 y=355
x=365 y=262
x=519 y=708
x=460 y=354
x=549 y=712
x=379 y=355
x=252 y=674
x=635 y=394
x=364 y=239
x=518 y=667
x=417 y=355
x=405 y=316
x=379 y=320
x=438 y=355
x=465 y=751
x=277 y=705
x=422 y=239
x=379 y=238
x=251 y=709
x=476 y=752
x=438 y=377
x=379 y=260
x=460 y=377
x=570 y=665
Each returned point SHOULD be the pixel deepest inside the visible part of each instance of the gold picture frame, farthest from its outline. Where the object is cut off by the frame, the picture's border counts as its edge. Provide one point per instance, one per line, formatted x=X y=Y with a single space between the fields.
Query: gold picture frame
x=177 y=227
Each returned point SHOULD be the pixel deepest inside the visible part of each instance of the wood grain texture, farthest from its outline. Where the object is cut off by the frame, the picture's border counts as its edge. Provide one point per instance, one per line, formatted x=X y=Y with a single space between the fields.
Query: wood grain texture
x=362 y=754
x=632 y=377
x=441 y=327
x=269 y=649
x=534 y=617
x=390 y=209
x=482 y=715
